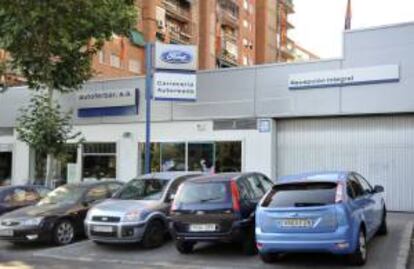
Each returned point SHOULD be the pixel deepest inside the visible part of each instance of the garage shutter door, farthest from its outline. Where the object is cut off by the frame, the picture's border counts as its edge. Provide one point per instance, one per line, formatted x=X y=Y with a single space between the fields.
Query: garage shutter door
x=381 y=148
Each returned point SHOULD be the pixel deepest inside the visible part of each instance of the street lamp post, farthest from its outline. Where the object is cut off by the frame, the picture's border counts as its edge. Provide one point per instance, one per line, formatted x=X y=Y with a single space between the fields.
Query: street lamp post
x=148 y=96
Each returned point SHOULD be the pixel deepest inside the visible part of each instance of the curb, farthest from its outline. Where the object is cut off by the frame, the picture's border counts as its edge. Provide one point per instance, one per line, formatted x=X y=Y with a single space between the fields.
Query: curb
x=405 y=247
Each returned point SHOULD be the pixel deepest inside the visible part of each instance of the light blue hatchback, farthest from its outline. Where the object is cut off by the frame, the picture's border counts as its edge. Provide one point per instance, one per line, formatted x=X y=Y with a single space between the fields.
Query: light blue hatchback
x=335 y=212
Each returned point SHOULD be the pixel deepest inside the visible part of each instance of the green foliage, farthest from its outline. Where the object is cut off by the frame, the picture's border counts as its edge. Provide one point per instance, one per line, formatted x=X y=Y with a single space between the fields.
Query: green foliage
x=44 y=127
x=49 y=40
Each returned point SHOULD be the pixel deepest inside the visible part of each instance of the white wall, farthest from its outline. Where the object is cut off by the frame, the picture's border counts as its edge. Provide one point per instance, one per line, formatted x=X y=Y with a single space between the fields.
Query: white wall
x=258 y=150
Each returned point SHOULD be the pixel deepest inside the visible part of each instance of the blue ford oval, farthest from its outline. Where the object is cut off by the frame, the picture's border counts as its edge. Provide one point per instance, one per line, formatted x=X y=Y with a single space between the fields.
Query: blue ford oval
x=176 y=57
x=336 y=212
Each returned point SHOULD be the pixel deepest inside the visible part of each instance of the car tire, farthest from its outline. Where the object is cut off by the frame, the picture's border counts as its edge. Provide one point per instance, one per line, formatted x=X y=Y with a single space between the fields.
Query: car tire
x=63 y=233
x=268 y=257
x=249 y=244
x=184 y=247
x=359 y=257
x=383 y=229
x=154 y=235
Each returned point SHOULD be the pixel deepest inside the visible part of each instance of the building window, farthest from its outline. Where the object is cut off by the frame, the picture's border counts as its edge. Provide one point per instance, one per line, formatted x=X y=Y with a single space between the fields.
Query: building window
x=245 y=23
x=245 y=60
x=134 y=66
x=101 y=56
x=5 y=168
x=194 y=156
x=99 y=161
x=115 y=61
x=245 y=42
x=246 y=4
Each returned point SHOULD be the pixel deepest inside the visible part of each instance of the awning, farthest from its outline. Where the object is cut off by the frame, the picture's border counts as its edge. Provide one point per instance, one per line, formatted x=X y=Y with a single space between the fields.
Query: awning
x=136 y=38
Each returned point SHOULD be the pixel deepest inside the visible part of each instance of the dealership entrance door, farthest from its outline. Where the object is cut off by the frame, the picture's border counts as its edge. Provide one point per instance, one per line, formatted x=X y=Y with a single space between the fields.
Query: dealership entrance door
x=381 y=148
x=5 y=168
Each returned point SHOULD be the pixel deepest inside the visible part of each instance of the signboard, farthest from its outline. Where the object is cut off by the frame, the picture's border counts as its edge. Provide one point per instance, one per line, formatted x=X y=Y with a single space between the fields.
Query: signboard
x=175 y=86
x=264 y=125
x=117 y=102
x=175 y=57
x=345 y=77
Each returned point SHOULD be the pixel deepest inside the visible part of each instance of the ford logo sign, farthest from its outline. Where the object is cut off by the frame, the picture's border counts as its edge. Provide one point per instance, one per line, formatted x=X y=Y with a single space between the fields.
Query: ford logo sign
x=176 y=57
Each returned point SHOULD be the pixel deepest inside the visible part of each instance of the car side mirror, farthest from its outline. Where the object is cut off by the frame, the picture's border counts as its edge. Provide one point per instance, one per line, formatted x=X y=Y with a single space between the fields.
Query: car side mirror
x=378 y=189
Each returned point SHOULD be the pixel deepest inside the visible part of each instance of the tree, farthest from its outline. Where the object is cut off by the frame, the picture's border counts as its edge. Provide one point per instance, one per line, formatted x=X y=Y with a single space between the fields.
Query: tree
x=45 y=128
x=51 y=43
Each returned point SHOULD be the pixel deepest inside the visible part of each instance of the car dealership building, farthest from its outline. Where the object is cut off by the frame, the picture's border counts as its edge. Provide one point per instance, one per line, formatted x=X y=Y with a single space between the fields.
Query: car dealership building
x=353 y=113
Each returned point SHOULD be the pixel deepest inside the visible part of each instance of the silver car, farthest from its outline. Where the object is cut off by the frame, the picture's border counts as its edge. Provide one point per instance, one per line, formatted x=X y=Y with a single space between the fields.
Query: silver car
x=138 y=212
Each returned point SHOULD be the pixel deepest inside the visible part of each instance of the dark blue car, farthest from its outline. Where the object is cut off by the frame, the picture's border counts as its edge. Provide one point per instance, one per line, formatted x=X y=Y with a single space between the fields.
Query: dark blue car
x=15 y=197
x=336 y=212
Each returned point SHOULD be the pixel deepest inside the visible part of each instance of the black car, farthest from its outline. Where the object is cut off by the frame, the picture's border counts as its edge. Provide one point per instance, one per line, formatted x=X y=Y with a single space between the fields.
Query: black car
x=15 y=197
x=57 y=218
x=218 y=208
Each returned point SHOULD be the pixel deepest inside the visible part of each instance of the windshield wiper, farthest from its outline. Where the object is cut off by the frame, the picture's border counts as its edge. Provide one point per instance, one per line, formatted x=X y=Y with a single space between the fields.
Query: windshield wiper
x=210 y=199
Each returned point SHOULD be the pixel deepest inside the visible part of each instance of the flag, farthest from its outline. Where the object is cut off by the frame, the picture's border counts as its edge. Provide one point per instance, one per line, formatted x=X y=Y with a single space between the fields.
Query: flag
x=348 y=17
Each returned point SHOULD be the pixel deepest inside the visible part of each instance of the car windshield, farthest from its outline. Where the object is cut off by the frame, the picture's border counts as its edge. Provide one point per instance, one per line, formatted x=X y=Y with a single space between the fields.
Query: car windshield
x=63 y=195
x=209 y=192
x=142 y=189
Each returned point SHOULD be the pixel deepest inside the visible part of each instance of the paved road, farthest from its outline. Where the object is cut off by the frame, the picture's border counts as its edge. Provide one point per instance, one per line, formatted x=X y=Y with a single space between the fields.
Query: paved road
x=85 y=254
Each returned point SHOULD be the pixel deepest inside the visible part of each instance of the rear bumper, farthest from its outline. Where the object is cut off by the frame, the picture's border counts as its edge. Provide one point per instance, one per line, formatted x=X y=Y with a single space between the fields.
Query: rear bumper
x=235 y=234
x=338 y=242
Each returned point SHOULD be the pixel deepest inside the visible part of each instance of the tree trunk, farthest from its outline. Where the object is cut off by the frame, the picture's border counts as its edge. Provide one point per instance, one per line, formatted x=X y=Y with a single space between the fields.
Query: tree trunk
x=49 y=170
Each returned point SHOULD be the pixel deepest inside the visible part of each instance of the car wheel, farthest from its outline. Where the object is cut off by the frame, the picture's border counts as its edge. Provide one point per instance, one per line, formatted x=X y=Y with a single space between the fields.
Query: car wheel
x=184 y=247
x=383 y=230
x=249 y=244
x=268 y=257
x=154 y=235
x=63 y=233
x=359 y=257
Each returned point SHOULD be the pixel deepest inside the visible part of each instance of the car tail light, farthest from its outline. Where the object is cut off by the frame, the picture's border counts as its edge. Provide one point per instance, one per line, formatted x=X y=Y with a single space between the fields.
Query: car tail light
x=340 y=193
x=235 y=196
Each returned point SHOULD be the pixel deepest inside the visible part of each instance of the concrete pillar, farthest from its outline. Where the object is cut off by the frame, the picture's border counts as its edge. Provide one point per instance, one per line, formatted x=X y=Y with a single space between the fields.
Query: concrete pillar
x=21 y=163
x=127 y=157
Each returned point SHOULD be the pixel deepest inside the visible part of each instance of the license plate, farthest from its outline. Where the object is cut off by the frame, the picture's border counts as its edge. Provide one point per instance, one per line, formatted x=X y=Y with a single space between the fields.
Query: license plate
x=102 y=229
x=6 y=232
x=296 y=223
x=203 y=227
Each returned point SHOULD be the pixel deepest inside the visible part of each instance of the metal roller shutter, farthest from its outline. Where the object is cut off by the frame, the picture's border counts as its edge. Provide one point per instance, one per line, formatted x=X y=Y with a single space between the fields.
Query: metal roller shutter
x=381 y=148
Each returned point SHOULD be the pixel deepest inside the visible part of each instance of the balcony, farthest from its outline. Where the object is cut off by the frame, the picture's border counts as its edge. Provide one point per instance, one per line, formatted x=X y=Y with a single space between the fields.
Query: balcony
x=177 y=11
x=229 y=13
x=226 y=59
x=179 y=37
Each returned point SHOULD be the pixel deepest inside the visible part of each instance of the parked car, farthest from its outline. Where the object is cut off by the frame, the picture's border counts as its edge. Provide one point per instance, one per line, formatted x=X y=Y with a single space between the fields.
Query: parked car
x=15 y=197
x=138 y=212
x=218 y=208
x=58 y=217
x=336 y=212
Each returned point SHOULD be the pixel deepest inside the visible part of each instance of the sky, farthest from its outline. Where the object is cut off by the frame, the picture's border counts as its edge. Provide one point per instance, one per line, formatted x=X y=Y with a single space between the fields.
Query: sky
x=319 y=24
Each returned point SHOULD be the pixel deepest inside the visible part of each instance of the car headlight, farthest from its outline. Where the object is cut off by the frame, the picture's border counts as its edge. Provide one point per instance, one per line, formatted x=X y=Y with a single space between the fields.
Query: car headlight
x=133 y=215
x=32 y=221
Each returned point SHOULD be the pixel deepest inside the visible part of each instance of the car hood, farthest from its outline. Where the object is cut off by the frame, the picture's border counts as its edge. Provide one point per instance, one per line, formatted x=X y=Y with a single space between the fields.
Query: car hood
x=38 y=211
x=124 y=206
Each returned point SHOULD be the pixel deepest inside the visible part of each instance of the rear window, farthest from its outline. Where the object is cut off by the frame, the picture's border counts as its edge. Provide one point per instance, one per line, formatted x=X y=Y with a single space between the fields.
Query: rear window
x=210 y=192
x=301 y=195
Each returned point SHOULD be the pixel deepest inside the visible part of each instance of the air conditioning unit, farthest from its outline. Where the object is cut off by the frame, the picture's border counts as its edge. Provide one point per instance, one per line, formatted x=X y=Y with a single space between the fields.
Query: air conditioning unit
x=160 y=25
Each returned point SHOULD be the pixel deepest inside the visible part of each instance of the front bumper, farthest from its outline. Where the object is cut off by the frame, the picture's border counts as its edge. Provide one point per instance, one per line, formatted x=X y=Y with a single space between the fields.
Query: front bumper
x=338 y=242
x=25 y=234
x=121 y=232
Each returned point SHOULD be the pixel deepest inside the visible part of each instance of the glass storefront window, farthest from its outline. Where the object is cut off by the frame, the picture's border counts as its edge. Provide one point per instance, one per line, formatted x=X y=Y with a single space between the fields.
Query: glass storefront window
x=208 y=157
x=201 y=157
x=228 y=156
x=173 y=157
x=99 y=161
x=5 y=168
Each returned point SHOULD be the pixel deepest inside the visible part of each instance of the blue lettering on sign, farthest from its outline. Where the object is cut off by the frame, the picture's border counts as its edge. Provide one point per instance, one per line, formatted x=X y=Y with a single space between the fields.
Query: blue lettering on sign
x=176 y=57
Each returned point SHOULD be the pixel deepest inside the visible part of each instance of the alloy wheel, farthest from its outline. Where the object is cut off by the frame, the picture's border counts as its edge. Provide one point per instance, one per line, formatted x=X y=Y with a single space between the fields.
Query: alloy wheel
x=65 y=233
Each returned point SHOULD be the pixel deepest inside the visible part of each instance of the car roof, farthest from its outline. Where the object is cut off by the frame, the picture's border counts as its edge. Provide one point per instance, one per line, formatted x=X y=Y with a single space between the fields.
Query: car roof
x=328 y=176
x=87 y=184
x=168 y=175
x=220 y=177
